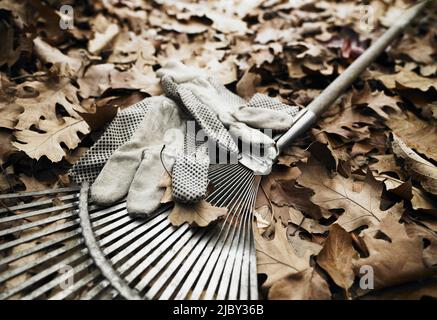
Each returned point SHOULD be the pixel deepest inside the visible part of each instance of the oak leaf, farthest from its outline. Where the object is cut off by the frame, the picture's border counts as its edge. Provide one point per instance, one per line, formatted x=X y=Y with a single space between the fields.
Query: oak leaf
x=361 y=203
x=408 y=79
x=305 y=285
x=337 y=255
x=49 y=142
x=43 y=105
x=377 y=101
x=276 y=258
x=396 y=260
x=200 y=214
x=418 y=134
x=420 y=169
x=405 y=189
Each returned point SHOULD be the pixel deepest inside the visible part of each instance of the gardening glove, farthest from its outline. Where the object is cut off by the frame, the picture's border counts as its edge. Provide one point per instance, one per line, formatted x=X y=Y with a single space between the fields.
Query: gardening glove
x=136 y=168
x=118 y=132
x=216 y=108
x=223 y=115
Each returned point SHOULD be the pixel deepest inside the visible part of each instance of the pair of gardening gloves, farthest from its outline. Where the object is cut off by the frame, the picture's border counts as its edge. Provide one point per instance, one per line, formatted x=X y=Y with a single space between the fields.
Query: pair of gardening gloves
x=156 y=136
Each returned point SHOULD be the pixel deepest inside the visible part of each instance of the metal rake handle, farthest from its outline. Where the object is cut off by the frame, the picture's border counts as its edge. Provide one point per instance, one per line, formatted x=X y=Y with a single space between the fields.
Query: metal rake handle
x=313 y=111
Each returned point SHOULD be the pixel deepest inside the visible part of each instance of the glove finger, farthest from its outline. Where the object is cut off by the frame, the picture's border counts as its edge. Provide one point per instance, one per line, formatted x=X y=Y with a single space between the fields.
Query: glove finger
x=265 y=102
x=118 y=132
x=190 y=176
x=114 y=180
x=112 y=184
x=144 y=193
x=179 y=72
x=208 y=120
x=264 y=118
x=250 y=136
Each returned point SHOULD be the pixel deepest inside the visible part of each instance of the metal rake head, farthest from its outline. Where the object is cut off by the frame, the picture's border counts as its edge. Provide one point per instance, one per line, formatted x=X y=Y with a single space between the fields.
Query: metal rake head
x=54 y=248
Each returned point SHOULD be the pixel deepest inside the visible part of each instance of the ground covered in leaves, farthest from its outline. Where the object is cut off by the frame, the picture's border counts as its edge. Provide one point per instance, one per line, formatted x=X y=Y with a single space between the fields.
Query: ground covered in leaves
x=357 y=193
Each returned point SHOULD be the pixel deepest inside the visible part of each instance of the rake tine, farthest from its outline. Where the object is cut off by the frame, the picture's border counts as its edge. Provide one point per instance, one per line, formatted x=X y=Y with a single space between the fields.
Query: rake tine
x=38 y=193
x=37 y=203
x=232 y=264
x=157 y=224
x=76 y=286
x=39 y=234
x=178 y=279
x=99 y=287
x=157 y=248
x=53 y=254
x=41 y=275
x=38 y=247
x=59 y=278
x=39 y=212
x=38 y=223
x=212 y=260
x=226 y=258
x=191 y=236
x=223 y=190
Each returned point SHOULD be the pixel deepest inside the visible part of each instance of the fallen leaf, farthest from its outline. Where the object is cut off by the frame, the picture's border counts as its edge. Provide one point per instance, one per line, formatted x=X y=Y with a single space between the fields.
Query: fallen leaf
x=361 y=207
x=200 y=214
x=276 y=258
x=167 y=184
x=50 y=142
x=377 y=101
x=104 y=33
x=420 y=169
x=405 y=190
x=396 y=260
x=337 y=255
x=408 y=79
x=47 y=97
x=287 y=193
x=416 y=133
x=305 y=285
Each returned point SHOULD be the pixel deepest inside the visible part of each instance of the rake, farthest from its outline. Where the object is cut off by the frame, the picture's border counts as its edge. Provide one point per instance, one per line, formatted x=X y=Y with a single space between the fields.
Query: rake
x=62 y=246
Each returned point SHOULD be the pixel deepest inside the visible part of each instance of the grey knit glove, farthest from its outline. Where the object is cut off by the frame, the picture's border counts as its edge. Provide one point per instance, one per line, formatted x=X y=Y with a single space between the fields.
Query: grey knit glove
x=223 y=116
x=135 y=168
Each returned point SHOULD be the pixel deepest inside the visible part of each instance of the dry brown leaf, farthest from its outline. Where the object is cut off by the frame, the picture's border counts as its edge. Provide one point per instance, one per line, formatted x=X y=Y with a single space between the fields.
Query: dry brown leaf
x=310 y=225
x=49 y=142
x=9 y=109
x=376 y=101
x=337 y=255
x=293 y=155
x=405 y=190
x=65 y=65
x=408 y=79
x=411 y=291
x=42 y=106
x=104 y=33
x=416 y=133
x=386 y=163
x=305 y=285
x=361 y=207
x=285 y=193
x=99 y=78
x=396 y=260
x=246 y=86
x=420 y=169
x=167 y=184
x=200 y=214
x=276 y=258
x=6 y=147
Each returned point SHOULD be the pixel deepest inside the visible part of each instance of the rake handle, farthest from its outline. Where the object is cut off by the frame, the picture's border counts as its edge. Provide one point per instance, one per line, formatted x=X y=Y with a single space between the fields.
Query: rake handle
x=320 y=104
